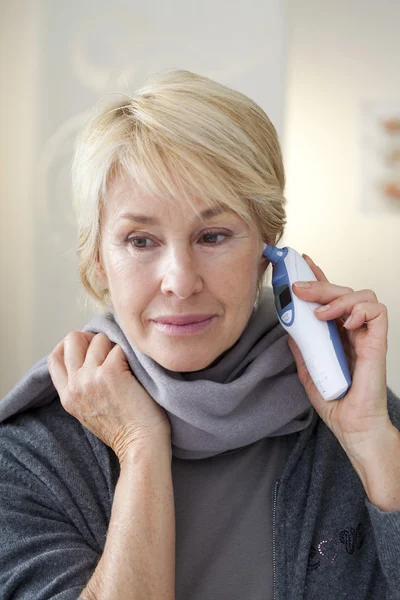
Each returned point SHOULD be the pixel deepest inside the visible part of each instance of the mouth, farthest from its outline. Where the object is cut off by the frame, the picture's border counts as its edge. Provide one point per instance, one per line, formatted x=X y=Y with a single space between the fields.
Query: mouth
x=186 y=328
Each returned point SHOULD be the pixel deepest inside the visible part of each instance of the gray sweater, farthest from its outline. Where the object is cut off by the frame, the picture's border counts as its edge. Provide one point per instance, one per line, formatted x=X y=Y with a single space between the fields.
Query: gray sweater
x=57 y=482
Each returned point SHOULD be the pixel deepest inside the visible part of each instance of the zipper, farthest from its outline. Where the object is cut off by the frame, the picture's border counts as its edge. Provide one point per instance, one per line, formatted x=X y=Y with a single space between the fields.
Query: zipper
x=273 y=534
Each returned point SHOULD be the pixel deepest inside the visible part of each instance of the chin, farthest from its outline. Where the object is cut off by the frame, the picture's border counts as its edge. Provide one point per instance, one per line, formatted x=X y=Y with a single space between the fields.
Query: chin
x=184 y=364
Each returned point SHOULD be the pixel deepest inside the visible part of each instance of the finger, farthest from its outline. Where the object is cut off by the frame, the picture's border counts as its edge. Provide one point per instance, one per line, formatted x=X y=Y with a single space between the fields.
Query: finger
x=116 y=356
x=322 y=292
x=342 y=305
x=76 y=344
x=89 y=335
x=374 y=315
x=99 y=348
x=56 y=366
x=318 y=272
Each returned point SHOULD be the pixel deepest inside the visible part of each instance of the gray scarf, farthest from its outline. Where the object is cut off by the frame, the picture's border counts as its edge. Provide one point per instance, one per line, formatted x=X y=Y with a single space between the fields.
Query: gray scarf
x=251 y=392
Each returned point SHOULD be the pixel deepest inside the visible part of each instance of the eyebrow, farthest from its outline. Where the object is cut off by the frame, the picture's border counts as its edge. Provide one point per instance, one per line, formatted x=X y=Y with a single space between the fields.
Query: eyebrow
x=146 y=220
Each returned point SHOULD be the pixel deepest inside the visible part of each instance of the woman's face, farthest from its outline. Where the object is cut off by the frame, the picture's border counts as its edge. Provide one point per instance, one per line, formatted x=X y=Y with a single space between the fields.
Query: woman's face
x=159 y=260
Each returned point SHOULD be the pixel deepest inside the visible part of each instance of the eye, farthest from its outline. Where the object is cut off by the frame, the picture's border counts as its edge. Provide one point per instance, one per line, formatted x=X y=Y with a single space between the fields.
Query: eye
x=209 y=237
x=213 y=234
x=140 y=245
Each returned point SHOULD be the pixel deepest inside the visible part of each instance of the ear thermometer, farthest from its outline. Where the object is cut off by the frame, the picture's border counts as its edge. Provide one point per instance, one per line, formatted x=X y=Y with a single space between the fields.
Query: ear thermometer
x=318 y=341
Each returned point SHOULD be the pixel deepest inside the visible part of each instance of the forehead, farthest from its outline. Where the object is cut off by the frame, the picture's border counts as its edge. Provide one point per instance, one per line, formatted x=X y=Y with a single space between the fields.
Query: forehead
x=124 y=194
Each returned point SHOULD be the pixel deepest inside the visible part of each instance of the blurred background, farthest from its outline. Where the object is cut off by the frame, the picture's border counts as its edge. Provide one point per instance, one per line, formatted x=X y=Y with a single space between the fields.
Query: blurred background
x=327 y=75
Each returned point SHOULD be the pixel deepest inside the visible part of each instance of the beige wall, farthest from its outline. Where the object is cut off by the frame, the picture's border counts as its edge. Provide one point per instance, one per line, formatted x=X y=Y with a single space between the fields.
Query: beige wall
x=18 y=108
x=57 y=60
x=341 y=54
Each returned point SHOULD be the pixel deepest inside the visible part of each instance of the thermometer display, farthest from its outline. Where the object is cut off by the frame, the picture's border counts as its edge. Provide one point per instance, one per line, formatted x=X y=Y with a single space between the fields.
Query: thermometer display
x=318 y=341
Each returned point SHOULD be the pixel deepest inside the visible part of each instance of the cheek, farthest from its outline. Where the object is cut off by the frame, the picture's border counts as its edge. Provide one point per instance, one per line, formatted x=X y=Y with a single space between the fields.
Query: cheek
x=236 y=274
x=120 y=269
x=243 y=264
x=129 y=282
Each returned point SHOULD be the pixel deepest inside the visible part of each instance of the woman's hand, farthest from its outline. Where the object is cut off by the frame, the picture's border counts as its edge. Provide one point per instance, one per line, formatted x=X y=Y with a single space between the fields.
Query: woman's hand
x=360 y=420
x=96 y=386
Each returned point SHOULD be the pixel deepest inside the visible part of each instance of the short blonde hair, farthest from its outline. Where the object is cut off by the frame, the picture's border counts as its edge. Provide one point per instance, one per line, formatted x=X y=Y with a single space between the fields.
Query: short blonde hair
x=179 y=136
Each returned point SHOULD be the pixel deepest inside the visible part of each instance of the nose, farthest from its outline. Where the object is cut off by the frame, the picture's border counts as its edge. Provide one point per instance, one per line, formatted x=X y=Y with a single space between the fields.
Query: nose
x=180 y=272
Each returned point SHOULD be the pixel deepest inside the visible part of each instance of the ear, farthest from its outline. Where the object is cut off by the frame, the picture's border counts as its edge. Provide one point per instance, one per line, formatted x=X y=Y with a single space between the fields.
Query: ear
x=263 y=262
x=100 y=270
x=263 y=265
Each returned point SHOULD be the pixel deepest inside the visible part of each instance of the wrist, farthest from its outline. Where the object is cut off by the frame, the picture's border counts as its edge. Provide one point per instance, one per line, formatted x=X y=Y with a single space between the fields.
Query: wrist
x=147 y=448
x=379 y=471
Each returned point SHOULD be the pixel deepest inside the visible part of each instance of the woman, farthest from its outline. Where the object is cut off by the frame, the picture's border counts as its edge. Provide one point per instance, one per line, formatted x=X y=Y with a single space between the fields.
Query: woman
x=175 y=448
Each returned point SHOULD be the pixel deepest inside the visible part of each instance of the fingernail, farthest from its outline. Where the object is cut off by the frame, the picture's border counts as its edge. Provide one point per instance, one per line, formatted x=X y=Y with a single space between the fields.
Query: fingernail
x=306 y=256
x=348 y=321
x=302 y=284
x=322 y=308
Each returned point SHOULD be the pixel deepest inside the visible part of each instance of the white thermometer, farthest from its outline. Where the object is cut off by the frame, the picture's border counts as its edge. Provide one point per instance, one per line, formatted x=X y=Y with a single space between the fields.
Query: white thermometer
x=318 y=341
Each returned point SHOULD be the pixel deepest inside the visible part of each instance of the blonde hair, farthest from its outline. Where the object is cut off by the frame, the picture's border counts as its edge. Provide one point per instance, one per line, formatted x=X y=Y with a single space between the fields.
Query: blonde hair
x=179 y=136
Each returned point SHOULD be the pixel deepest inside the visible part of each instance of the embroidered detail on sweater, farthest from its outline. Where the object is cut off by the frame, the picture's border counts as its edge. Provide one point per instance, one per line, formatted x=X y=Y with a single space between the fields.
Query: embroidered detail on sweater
x=328 y=549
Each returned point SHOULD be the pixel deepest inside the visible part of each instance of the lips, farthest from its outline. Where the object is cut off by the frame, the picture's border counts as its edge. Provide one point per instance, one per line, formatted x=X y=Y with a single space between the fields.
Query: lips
x=183 y=319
